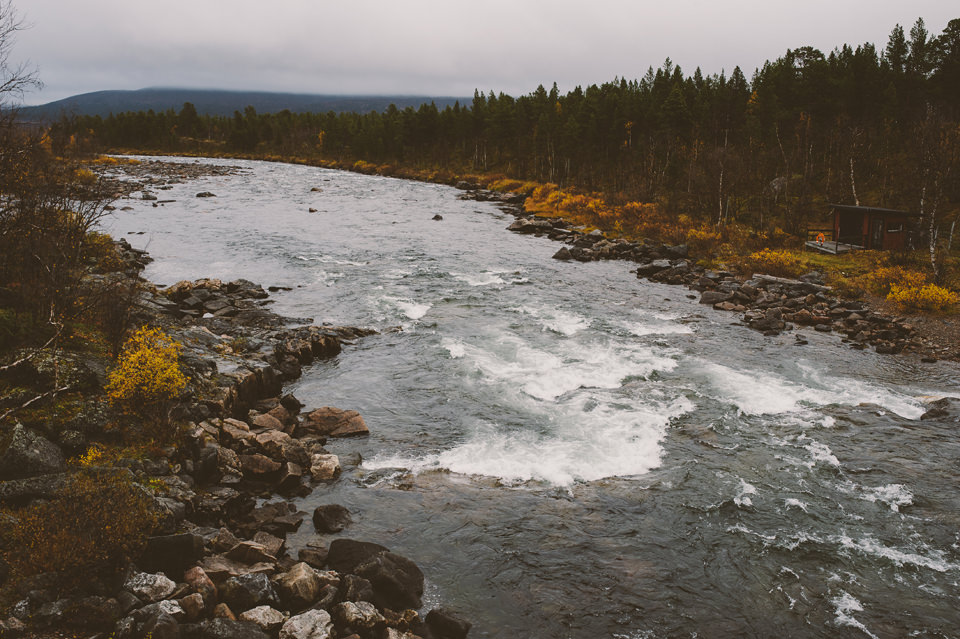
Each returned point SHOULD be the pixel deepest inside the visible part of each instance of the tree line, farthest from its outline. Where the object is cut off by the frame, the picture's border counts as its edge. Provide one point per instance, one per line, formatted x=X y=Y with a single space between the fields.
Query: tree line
x=859 y=125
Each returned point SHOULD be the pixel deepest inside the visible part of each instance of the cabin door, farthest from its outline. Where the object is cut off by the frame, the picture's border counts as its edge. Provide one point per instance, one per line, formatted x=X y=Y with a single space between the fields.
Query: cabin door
x=876 y=234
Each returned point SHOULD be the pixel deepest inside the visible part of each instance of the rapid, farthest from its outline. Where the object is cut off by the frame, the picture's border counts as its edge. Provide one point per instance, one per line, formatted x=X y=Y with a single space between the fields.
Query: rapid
x=568 y=451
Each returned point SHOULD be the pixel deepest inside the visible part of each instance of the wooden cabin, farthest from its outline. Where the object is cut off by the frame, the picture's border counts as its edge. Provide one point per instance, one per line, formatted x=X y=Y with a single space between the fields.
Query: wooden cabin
x=864 y=227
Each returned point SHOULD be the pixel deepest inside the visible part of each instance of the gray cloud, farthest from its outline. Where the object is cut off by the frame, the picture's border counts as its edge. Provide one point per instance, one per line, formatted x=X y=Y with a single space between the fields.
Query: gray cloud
x=427 y=46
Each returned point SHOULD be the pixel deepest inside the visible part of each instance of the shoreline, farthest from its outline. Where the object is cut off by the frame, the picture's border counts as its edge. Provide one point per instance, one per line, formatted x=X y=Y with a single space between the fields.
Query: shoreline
x=216 y=565
x=929 y=336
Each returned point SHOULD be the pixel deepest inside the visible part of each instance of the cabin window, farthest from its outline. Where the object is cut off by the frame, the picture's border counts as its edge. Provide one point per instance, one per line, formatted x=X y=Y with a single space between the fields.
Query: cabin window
x=895 y=228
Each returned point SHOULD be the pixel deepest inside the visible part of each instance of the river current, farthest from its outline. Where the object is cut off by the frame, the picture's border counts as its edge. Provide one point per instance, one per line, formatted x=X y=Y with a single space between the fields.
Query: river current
x=568 y=451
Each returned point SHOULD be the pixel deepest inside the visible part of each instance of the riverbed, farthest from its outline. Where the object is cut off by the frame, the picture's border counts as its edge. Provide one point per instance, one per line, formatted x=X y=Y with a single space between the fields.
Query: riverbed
x=568 y=451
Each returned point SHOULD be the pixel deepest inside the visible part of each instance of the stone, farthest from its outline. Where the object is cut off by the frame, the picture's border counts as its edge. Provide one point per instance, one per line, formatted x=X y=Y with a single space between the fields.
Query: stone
x=290 y=476
x=445 y=625
x=335 y=422
x=249 y=552
x=273 y=544
x=354 y=588
x=248 y=591
x=222 y=611
x=279 y=446
x=331 y=518
x=30 y=454
x=224 y=540
x=171 y=554
x=299 y=587
x=714 y=297
x=358 y=615
x=267 y=619
x=258 y=465
x=161 y=626
x=324 y=467
x=397 y=582
x=346 y=554
x=166 y=607
x=946 y=409
x=563 y=254
x=314 y=557
x=313 y=624
x=150 y=587
x=193 y=606
x=267 y=421
x=223 y=628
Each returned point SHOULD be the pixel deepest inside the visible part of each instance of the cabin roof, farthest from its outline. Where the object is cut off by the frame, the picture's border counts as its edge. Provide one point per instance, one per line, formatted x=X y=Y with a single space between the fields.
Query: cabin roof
x=871 y=210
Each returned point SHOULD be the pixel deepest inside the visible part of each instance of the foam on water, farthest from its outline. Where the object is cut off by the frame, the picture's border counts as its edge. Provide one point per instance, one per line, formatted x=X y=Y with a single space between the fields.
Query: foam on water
x=411 y=309
x=846 y=604
x=485 y=278
x=514 y=363
x=743 y=496
x=756 y=393
x=871 y=547
x=552 y=319
x=605 y=441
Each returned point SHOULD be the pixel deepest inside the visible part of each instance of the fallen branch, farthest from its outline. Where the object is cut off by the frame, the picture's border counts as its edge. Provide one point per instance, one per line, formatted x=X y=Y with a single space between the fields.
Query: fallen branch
x=32 y=401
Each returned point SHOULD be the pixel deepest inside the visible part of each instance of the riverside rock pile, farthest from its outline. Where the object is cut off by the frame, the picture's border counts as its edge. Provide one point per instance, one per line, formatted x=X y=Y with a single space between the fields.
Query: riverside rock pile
x=767 y=304
x=218 y=565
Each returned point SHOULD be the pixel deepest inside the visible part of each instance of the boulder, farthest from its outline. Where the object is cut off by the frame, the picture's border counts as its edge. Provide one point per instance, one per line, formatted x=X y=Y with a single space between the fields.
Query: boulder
x=714 y=297
x=358 y=615
x=563 y=254
x=171 y=554
x=324 y=467
x=267 y=619
x=249 y=552
x=273 y=544
x=344 y=555
x=30 y=454
x=299 y=587
x=946 y=409
x=445 y=625
x=222 y=628
x=335 y=422
x=314 y=557
x=258 y=465
x=331 y=518
x=354 y=588
x=248 y=591
x=268 y=421
x=397 y=582
x=150 y=587
x=193 y=606
x=313 y=624
x=161 y=626
x=201 y=583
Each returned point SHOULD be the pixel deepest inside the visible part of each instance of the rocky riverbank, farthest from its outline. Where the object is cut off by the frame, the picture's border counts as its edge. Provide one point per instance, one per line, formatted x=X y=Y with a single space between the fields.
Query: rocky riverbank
x=767 y=304
x=217 y=564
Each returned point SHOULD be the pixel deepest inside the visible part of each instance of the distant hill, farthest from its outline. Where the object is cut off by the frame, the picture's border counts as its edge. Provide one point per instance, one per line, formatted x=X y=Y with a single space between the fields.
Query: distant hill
x=212 y=102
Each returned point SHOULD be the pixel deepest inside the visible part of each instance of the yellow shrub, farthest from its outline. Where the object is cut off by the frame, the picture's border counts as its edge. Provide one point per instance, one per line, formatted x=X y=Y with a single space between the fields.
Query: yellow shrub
x=929 y=298
x=882 y=279
x=147 y=374
x=782 y=263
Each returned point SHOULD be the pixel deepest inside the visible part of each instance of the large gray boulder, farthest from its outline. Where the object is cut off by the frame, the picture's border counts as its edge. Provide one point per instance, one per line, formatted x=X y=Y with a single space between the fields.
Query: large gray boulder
x=29 y=455
x=313 y=624
x=248 y=591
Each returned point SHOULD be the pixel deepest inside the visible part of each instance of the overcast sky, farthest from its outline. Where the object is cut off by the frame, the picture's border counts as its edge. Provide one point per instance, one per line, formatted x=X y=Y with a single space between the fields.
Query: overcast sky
x=427 y=47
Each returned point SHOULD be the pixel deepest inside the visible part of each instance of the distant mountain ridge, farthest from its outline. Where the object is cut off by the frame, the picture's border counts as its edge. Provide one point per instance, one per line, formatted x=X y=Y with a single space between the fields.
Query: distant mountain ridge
x=217 y=102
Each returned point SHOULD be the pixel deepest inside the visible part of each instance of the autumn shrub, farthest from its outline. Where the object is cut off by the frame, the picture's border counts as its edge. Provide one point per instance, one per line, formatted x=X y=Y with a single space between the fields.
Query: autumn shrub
x=773 y=262
x=882 y=279
x=147 y=377
x=929 y=297
x=98 y=521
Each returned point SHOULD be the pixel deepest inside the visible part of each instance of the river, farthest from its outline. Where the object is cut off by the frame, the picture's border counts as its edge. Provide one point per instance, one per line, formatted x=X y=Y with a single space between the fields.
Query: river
x=568 y=451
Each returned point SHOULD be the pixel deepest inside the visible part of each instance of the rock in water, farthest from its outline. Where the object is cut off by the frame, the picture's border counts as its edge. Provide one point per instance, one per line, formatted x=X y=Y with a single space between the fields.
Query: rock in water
x=331 y=518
